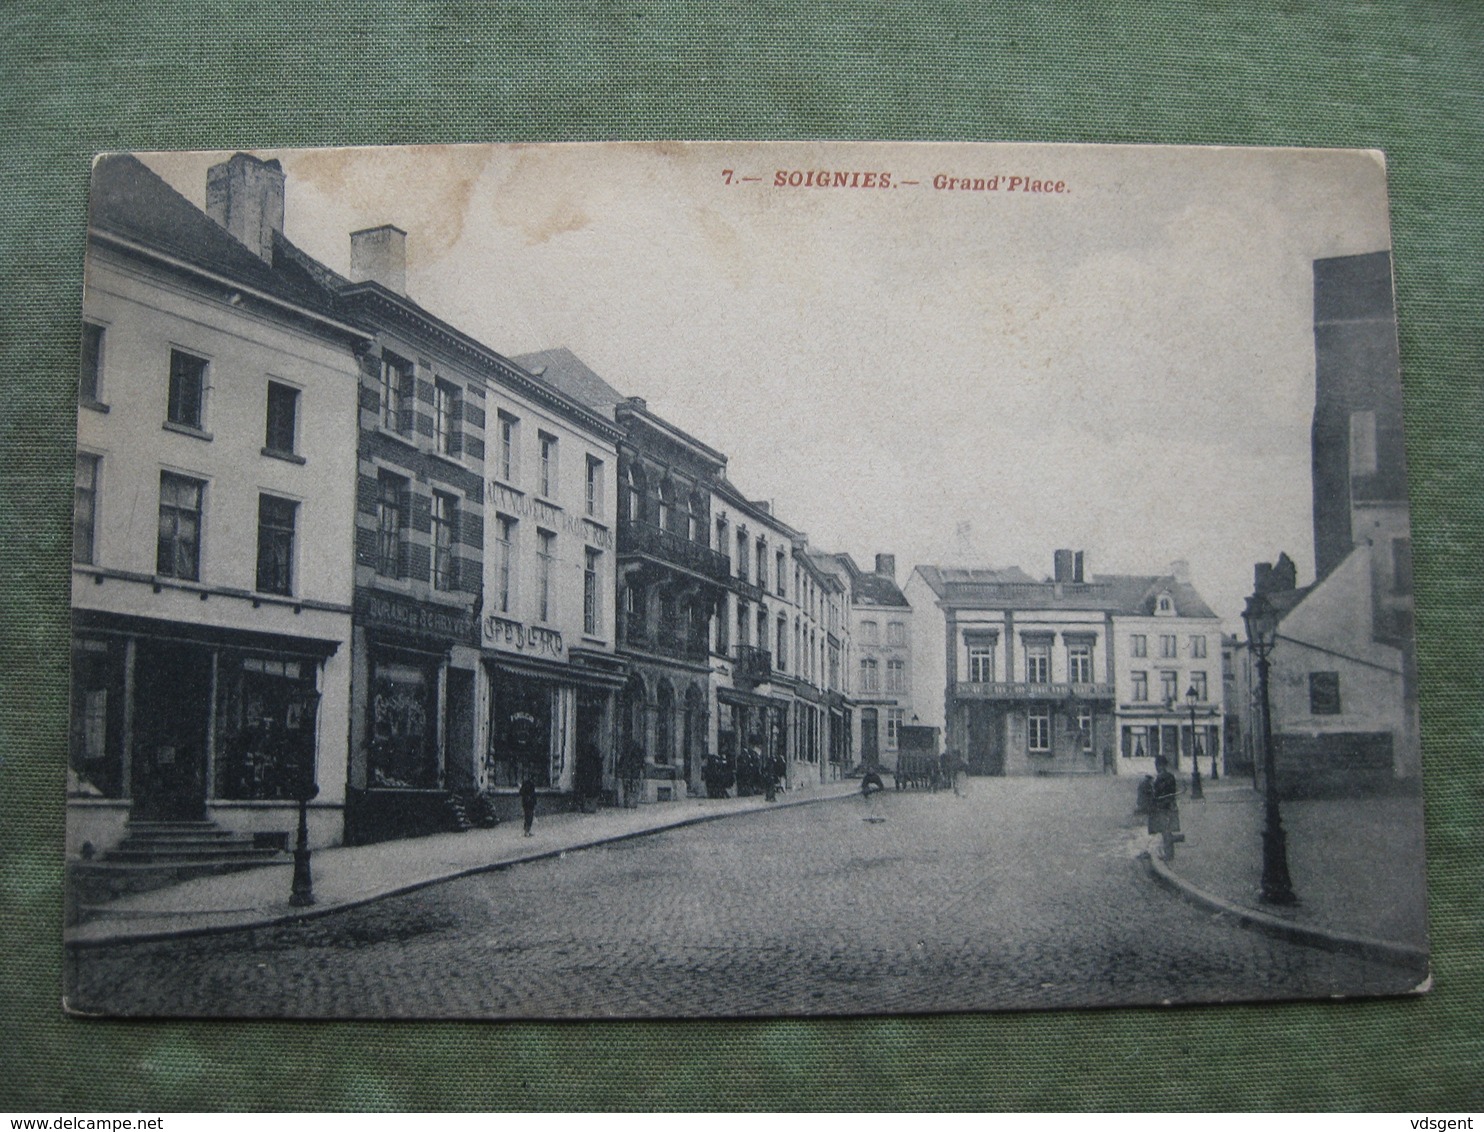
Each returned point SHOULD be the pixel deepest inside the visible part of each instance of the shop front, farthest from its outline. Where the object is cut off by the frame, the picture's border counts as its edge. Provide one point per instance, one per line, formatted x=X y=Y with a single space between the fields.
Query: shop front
x=550 y=717
x=175 y=723
x=412 y=716
x=751 y=738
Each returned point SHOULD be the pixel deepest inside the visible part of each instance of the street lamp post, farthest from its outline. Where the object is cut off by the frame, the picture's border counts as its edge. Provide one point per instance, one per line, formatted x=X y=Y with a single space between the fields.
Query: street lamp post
x=301 y=892
x=1261 y=619
x=1191 y=696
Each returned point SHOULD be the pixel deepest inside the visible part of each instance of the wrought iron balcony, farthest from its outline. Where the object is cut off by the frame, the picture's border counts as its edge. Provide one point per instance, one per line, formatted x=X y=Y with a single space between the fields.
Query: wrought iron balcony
x=661 y=640
x=1013 y=690
x=672 y=549
x=753 y=665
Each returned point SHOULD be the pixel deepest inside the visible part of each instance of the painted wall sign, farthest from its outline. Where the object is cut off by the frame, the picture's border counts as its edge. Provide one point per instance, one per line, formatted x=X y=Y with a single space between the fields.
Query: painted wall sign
x=525 y=507
x=502 y=631
x=385 y=611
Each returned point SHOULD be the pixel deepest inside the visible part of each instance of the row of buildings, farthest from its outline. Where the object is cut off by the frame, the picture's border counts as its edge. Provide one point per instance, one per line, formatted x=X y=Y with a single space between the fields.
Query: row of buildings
x=325 y=541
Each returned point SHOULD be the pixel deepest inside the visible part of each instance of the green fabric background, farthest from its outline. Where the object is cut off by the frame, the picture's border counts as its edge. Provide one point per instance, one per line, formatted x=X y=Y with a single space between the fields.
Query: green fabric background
x=76 y=78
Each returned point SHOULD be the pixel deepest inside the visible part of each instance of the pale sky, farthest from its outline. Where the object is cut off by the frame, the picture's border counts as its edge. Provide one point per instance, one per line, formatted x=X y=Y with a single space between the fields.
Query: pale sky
x=1125 y=368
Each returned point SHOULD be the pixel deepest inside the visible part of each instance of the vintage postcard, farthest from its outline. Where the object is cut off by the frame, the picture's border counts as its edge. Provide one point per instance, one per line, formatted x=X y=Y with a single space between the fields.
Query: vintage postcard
x=703 y=579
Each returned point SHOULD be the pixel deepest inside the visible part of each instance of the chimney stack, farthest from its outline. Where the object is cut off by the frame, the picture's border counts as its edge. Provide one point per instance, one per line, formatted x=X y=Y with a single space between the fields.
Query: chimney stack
x=245 y=196
x=1180 y=570
x=886 y=566
x=1061 y=566
x=379 y=255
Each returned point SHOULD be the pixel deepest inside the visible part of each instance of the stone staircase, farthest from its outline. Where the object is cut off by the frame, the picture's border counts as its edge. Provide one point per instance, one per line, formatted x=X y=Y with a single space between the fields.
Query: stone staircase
x=155 y=854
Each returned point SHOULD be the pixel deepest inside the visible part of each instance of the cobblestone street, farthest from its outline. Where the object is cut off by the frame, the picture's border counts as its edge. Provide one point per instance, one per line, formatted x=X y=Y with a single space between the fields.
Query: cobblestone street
x=1025 y=894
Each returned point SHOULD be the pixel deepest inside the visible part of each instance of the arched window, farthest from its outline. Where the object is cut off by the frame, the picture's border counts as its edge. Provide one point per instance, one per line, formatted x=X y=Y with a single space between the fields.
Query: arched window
x=667 y=504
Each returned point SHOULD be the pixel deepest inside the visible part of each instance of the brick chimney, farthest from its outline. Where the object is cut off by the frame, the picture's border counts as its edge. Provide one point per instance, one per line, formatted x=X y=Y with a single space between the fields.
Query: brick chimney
x=379 y=255
x=886 y=566
x=245 y=196
x=1180 y=570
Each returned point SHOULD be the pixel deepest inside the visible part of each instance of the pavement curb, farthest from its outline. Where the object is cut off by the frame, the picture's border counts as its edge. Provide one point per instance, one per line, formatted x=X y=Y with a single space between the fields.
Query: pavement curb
x=1385 y=951
x=299 y=916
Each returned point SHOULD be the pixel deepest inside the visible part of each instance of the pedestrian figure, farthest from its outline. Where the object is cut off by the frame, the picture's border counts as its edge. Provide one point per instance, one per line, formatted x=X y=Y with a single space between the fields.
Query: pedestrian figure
x=1144 y=800
x=1164 y=814
x=871 y=782
x=528 y=802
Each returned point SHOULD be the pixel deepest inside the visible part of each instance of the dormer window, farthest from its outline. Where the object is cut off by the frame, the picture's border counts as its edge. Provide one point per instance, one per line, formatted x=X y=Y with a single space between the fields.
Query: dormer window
x=1164 y=605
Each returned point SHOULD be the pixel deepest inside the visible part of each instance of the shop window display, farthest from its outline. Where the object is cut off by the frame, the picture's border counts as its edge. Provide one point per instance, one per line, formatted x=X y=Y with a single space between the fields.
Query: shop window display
x=404 y=732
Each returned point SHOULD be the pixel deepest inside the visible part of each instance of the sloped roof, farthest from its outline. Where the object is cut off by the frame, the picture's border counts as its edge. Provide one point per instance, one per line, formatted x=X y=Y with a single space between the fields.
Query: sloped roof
x=567 y=373
x=129 y=201
x=875 y=589
x=1130 y=594
x=1137 y=594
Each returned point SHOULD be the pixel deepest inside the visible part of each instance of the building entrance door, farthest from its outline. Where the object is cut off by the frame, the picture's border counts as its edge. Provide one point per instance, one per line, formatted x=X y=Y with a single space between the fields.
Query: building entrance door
x=588 y=774
x=986 y=738
x=172 y=710
x=870 y=740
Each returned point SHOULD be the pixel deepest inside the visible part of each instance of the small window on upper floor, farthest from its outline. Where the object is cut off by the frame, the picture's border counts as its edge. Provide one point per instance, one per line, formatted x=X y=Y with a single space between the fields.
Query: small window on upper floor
x=593 y=491
x=1324 y=693
x=90 y=375
x=187 y=401
x=548 y=484
x=447 y=406
x=281 y=433
x=398 y=386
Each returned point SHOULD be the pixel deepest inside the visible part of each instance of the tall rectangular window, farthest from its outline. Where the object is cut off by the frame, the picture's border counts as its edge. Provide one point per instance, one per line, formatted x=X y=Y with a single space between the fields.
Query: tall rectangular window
x=742 y=556
x=508 y=463
x=762 y=564
x=780 y=648
x=85 y=508
x=187 y=389
x=870 y=679
x=504 y=562
x=397 y=388
x=548 y=482
x=545 y=574
x=1037 y=664
x=391 y=519
x=1139 y=644
x=1198 y=647
x=781 y=569
x=283 y=419
x=981 y=664
x=591 y=612
x=445 y=532
x=1038 y=721
x=896 y=633
x=446 y=417
x=894 y=718
x=896 y=676
x=1169 y=647
x=723 y=631
x=1141 y=686
x=1079 y=664
x=1084 y=726
x=1169 y=686
x=742 y=622
x=1198 y=682
x=869 y=634
x=90 y=376
x=178 y=551
x=593 y=489
x=276 y=521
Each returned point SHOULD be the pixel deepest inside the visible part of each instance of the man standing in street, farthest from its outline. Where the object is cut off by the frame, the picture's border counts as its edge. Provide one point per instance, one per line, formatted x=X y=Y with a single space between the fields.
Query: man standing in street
x=528 y=802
